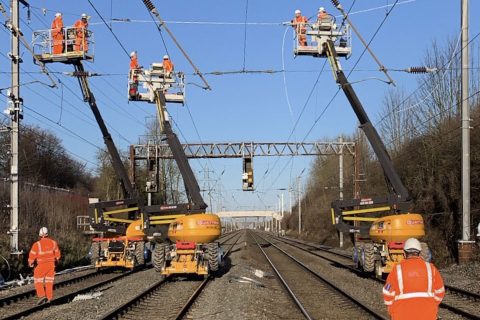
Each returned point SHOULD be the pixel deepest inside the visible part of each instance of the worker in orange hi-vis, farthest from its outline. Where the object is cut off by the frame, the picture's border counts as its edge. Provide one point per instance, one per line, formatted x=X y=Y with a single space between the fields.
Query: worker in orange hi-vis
x=133 y=75
x=134 y=61
x=414 y=288
x=299 y=23
x=81 y=26
x=57 y=34
x=167 y=64
x=45 y=253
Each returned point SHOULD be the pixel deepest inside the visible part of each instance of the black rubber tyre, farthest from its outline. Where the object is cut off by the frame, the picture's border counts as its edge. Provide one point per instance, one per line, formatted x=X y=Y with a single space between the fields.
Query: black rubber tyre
x=140 y=254
x=158 y=257
x=95 y=253
x=369 y=260
x=425 y=253
x=356 y=255
x=212 y=256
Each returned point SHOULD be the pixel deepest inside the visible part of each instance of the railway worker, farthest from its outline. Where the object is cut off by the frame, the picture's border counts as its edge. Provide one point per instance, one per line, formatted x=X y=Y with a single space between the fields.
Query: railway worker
x=299 y=23
x=414 y=288
x=133 y=75
x=134 y=61
x=57 y=34
x=167 y=64
x=322 y=14
x=46 y=253
x=81 y=31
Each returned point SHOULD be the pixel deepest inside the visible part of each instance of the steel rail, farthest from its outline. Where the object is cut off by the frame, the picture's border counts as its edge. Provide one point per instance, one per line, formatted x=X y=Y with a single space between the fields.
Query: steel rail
x=139 y=298
x=367 y=309
x=455 y=290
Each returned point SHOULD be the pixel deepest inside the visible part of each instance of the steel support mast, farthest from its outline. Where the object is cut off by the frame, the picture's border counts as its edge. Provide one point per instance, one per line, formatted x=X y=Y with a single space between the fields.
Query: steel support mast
x=465 y=246
x=15 y=116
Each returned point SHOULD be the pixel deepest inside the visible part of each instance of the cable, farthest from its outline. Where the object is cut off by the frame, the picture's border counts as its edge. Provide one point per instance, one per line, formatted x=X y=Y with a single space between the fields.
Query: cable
x=426 y=81
x=434 y=116
x=109 y=28
x=66 y=129
x=245 y=35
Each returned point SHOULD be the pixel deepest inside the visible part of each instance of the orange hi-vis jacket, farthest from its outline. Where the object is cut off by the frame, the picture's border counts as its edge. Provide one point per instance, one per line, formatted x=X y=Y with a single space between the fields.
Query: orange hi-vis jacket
x=167 y=65
x=57 y=25
x=44 y=250
x=413 y=290
x=134 y=63
x=299 y=23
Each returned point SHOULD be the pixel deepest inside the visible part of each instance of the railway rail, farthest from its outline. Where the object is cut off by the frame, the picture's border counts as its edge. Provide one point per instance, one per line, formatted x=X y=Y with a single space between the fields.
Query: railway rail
x=457 y=300
x=159 y=300
x=6 y=300
x=27 y=304
x=310 y=298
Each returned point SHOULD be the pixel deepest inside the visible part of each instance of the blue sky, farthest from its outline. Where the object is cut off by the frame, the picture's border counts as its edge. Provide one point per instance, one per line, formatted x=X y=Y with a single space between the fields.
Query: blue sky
x=241 y=107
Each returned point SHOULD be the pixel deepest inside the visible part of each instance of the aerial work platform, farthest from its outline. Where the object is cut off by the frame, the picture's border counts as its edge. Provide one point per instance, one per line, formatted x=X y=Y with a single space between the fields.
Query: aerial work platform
x=154 y=79
x=321 y=31
x=77 y=44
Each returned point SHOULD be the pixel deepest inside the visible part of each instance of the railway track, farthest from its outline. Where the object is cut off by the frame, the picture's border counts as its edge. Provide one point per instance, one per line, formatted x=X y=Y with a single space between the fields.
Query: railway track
x=25 y=304
x=169 y=298
x=457 y=300
x=310 y=289
x=4 y=301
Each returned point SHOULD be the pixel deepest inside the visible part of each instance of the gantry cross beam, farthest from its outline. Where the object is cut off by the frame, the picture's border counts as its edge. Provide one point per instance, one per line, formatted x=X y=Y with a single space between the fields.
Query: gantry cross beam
x=244 y=149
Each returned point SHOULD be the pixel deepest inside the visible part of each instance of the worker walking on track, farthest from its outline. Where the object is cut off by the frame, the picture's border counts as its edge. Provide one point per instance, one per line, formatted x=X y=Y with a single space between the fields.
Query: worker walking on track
x=414 y=288
x=167 y=64
x=299 y=23
x=46 y=254
x=57 y=34
x=81 y=30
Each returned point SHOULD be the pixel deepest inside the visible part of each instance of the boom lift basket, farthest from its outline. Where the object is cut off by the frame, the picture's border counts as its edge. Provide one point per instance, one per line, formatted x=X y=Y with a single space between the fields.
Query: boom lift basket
x=170 y=83
x=321 y=31
x=72 y=49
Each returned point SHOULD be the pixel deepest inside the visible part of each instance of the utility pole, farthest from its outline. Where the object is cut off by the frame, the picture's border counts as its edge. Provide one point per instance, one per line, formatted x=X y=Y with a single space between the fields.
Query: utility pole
x=280 y=223
x=14 y=109
x=340 y=185
x=465 y=246
x=299 y=205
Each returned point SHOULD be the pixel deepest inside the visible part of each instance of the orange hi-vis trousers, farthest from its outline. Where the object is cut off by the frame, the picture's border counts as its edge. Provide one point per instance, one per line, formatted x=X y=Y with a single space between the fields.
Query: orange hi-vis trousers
x=43 y=277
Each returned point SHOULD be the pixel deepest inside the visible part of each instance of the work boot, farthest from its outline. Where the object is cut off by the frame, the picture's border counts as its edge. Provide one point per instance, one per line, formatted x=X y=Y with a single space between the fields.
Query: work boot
x=42 y=300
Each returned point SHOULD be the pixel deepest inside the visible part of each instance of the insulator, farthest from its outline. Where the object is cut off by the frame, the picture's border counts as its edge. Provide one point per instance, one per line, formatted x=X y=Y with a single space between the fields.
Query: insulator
x=81 y=73
x=336 y=3
x=149 y=5
x=418 y=70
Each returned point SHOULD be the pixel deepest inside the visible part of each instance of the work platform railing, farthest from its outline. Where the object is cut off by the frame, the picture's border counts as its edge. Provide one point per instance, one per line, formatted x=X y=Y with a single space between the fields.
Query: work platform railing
x=318 y=33
x=72 y=43
x=156 y=78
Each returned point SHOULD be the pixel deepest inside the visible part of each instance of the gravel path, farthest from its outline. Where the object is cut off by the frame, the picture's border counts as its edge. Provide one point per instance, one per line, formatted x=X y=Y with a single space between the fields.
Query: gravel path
x=225 y=298
x=466 y=277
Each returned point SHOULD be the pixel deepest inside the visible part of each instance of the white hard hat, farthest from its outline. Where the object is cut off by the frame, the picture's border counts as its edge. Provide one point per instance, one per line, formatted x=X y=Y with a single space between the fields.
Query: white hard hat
x=165 y=56
x=133 y=53
x=43 y=232
x=321 y=9
x=84 y=16
x=412 y=244
x=298 y=11
x=58 y=14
